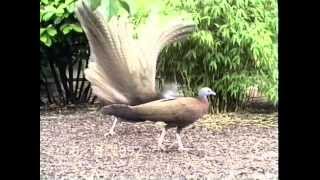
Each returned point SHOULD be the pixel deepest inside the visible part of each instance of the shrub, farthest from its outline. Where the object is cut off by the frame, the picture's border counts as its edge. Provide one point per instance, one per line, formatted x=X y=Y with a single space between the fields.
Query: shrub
x=234 y=48
x=63 y=53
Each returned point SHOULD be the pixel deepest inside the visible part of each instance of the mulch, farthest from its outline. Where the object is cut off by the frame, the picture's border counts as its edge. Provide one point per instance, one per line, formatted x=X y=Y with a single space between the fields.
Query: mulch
x=228 y=146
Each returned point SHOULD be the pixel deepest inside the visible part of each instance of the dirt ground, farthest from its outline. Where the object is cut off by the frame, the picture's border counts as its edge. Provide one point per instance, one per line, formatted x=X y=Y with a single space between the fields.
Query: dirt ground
x=225 y=146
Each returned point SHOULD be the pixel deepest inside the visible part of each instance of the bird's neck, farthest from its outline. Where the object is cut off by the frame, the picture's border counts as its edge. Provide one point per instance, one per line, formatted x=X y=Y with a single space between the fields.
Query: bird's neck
x=203 y=99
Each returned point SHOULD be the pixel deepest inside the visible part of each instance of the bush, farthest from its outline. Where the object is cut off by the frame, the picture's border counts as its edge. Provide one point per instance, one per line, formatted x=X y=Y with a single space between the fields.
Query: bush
x=234 y=49
x=64 y=54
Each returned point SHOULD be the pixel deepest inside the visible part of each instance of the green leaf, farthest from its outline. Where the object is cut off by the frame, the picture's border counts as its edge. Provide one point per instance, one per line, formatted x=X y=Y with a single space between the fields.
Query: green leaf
x=52 y=31
x=49 y=42
x=113 y=8
x=66 y=30
x=45 y=2
x=47 y=16
x=213 y=64
x=60 y=10
x=43 y=38
x=76 y=27
x=49 y=9
x=41 y=13
x=94 y=4
x=42 y=30
x=69 y=1
x=71 y=7
x=56 y=2
x=125 y=5
x=237 y=60
x=46 y=40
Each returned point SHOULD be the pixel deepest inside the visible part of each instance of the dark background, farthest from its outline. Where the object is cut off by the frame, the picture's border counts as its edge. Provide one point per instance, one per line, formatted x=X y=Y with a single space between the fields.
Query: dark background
x=20 y=78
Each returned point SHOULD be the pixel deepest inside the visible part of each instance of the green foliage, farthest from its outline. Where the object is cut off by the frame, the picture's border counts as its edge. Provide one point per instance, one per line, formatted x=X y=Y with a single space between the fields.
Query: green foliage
x=57 y=20
x=64 y=49
x=110 y=8
x=63 y=53
x=234 y=48
x=93 y=4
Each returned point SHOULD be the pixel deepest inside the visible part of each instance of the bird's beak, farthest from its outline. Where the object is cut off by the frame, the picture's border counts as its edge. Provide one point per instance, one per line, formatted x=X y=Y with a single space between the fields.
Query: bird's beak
x=212 y=93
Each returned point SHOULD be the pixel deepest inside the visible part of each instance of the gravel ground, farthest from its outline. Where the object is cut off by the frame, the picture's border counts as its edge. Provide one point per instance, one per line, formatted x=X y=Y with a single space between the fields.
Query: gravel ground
x=73 y=146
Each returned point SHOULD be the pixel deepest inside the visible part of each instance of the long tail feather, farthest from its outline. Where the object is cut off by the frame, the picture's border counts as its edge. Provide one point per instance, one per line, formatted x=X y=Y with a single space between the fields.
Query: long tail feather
x=122 y=69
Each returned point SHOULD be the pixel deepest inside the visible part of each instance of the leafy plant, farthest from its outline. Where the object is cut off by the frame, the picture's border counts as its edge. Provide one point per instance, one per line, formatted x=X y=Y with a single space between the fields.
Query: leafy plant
x=234 y=49
x=56 y=20
x=63 y=53
x=64 y=49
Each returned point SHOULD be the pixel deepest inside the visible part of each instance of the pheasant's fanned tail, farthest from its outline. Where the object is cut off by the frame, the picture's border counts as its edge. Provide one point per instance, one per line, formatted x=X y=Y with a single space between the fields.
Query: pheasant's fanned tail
x=104 y=57
x=122 y=70
x=154 y=40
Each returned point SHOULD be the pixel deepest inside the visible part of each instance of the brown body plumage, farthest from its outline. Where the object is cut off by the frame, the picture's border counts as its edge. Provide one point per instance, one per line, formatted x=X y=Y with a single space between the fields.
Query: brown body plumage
x=179 y=112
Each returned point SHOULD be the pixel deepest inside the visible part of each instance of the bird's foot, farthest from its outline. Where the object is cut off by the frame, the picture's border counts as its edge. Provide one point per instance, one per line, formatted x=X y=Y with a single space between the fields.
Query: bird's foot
x=183 y=149
x=110 y=133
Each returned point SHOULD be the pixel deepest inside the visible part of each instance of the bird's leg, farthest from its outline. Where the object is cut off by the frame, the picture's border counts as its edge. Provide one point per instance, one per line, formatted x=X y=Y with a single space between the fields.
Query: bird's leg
x=115 y=120
x=181 y=148
x=161 y=138
x=111 y=131
x=176 y=141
